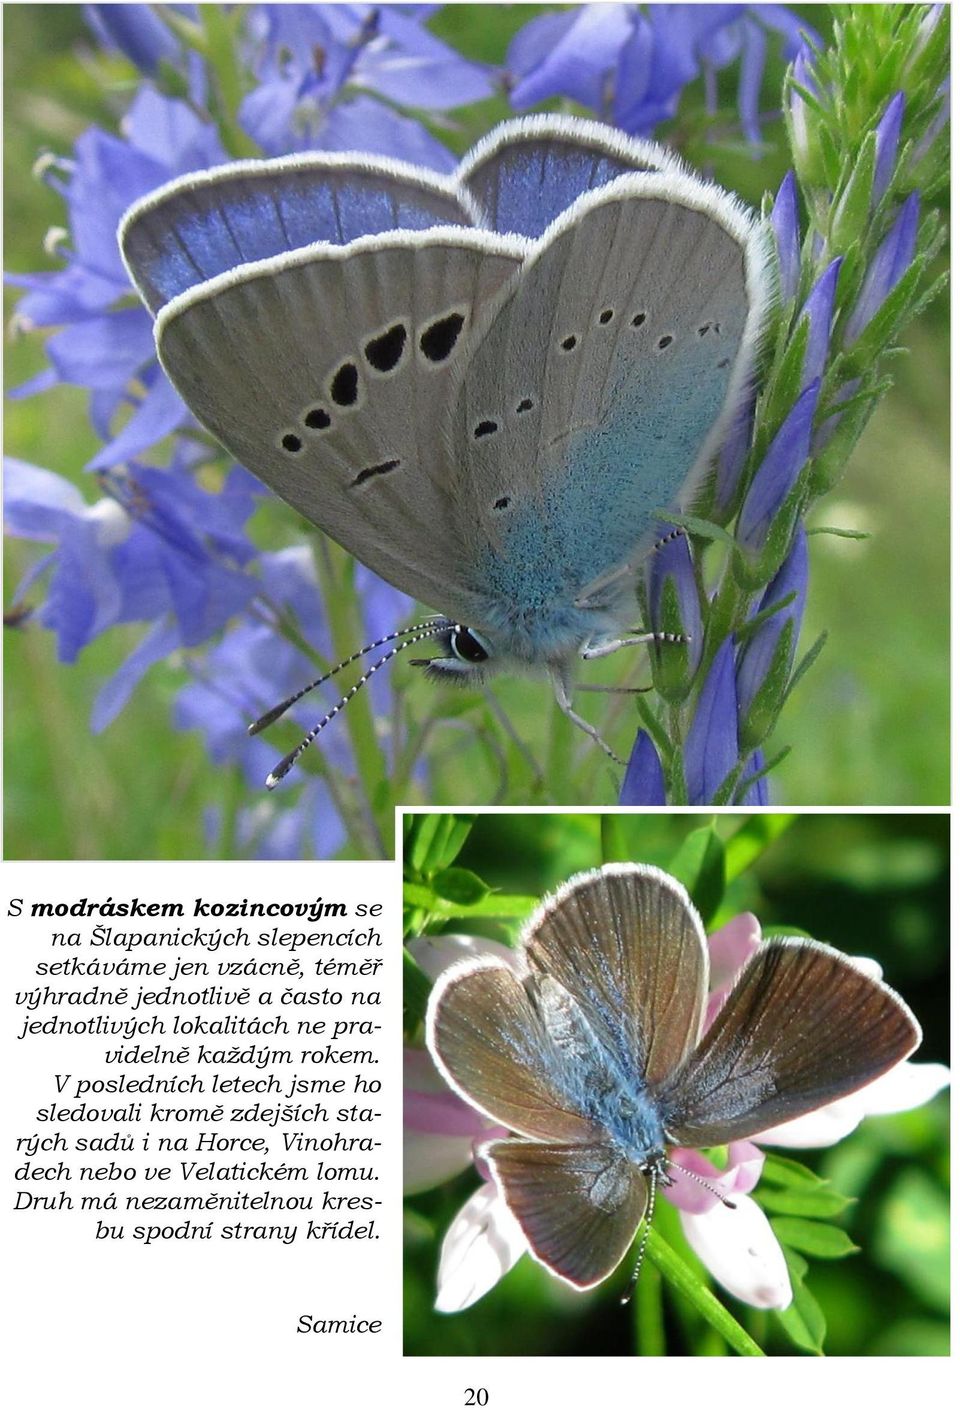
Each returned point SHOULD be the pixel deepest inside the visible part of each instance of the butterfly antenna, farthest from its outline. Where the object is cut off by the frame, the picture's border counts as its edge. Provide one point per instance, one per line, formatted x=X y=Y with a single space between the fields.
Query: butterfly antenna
x=648 y=1208
x=288 y=761
x=284 y=705
x=699 y=1180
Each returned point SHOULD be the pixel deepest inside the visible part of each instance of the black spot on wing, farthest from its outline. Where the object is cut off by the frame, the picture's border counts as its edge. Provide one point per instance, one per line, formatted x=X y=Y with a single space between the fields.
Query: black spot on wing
x=317 y=419
x=345 y=384
x=385 y=351
x=383 y=468
x=438 y=340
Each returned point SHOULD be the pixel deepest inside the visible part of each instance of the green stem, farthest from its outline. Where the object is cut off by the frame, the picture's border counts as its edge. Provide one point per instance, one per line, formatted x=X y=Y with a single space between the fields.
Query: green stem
x=220 y=45
x=687 y=1283
x=648 y=1311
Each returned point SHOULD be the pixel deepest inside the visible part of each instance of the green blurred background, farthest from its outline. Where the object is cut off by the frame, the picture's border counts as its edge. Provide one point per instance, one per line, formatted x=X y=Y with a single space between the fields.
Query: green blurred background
x=869 y=885
x=868 y=726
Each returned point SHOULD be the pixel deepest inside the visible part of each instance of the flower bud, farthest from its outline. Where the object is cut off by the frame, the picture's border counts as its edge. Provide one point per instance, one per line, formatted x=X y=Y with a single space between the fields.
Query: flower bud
x=643 y=781
x=887 y=268
x=766 y=657
x=711 y=748
x=674 y=604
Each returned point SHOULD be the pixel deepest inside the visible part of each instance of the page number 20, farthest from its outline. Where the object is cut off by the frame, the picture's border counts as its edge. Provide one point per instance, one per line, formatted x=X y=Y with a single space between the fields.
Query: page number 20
x=475 y=1397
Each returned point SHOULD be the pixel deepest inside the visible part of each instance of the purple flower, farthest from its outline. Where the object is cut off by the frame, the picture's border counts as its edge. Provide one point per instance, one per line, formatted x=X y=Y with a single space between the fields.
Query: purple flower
x=137 y=32
x=887 y=268
x=643 y=780
x=318 y=64
x=632 y=64
x=712 y=748
x=786 y=227
x=766 y=658
x=778 y=471
x=888 y=139
x=818 y=310
x=673 y=596
x=100 y=345
x=158 y=547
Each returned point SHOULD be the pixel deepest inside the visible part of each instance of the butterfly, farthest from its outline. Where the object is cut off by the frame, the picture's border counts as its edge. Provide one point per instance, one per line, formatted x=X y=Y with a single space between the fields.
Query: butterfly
x=485 y=386
x=591 y=1050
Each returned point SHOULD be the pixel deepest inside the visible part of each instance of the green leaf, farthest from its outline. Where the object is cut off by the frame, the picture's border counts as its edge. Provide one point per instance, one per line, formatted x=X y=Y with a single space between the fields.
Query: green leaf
x=803 y=1321
x=686 y=1282
x=700 y=865
x=813 y=1237
x=497 y=903
x=753 y=839
x=839 y=533
x=461 y=887
x=814 y=1202
x=433 y=840
x=416 y=992
x=781 y=1170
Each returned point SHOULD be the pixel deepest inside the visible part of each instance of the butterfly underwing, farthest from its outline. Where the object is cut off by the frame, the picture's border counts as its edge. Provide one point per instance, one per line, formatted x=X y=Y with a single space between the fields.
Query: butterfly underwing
x=487 y=387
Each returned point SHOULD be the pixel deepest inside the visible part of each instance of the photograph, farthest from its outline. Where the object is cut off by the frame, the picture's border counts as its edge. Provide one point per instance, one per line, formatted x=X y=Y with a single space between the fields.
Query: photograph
x=469 y=405
x=676 y=1085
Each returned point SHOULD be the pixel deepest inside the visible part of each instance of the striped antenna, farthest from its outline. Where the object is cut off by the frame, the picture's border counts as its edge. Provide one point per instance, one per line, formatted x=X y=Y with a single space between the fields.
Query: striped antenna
x=699 y=1180
x=627 y=1293
x=284 y=705
x=413 y=635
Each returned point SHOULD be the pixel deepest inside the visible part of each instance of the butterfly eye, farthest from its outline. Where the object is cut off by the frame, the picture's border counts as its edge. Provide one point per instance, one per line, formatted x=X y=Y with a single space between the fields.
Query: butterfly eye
x=466 y=645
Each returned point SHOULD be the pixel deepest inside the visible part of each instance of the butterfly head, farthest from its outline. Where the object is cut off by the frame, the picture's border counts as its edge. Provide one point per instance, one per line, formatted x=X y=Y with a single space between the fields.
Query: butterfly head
x=466 y=655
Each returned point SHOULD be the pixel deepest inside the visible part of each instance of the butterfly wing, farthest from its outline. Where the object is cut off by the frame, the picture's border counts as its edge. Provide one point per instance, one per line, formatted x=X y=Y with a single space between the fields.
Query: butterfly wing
x=802 y=1027
x=598 y=389
x=324 y=370
x=527 y=172
x=491 y=1041
x=629 y=947
x=578 y=1205
x=209 y=222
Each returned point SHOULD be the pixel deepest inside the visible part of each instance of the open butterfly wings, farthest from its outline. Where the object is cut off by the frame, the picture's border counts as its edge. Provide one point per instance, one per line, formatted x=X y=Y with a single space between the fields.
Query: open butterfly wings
x=623 y=948
x=379 y=382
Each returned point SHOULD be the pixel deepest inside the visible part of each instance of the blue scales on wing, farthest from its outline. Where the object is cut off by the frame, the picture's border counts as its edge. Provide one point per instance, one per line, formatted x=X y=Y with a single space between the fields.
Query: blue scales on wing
x=529 y=171
x=210 y=222
x=595 y=397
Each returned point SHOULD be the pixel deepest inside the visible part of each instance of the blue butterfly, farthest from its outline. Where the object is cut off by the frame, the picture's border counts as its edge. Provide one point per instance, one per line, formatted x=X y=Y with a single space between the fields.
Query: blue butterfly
x=590 y=1049
x=486 y=387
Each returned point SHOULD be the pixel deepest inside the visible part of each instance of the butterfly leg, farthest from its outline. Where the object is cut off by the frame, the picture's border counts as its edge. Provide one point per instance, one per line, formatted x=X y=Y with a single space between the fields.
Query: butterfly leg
x=607 y=648
x=562 y=692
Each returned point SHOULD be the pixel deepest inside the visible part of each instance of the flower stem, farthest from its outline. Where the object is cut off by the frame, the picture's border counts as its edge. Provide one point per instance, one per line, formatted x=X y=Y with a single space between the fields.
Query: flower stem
x=648 y=1314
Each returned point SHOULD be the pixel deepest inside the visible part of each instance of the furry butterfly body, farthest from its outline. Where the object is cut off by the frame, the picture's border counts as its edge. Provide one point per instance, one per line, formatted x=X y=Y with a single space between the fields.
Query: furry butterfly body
x=485 y=387
x=592 y=1050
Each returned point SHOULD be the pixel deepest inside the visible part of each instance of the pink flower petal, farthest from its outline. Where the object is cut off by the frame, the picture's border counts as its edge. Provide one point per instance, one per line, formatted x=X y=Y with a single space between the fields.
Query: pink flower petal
x=739 y=1248
x=908 y=1085
x=430 y=1160
x=740 y=1174
x=731 y=946
x=435 y=953
x=482 y=1244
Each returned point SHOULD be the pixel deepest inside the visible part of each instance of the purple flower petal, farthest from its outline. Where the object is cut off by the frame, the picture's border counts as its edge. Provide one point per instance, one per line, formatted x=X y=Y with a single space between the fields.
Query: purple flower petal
x=779 y=469
x=786 y=227
x=888 y=140
x=711 y=749
x=888 y=267
x=643 y=780
x=819 y=310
